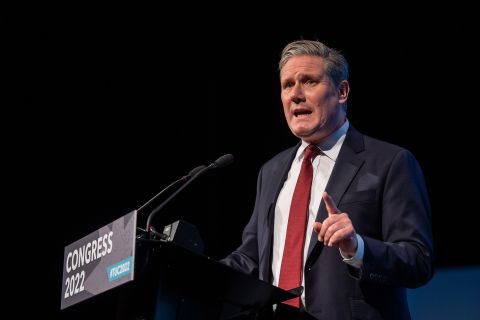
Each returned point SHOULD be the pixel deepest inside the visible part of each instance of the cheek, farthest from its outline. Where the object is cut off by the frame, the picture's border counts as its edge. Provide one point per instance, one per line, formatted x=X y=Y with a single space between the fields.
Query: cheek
x=324 y=110
x=286 y=108
x=319 y=113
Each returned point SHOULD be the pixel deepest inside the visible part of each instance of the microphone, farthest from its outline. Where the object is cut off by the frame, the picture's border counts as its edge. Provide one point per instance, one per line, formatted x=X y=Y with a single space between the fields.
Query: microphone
x=222 y=161
x=199 y=171
x=192 y=173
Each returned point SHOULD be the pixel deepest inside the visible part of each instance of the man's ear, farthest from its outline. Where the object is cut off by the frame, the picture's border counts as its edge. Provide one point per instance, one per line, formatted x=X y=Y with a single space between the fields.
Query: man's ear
x=343 y=91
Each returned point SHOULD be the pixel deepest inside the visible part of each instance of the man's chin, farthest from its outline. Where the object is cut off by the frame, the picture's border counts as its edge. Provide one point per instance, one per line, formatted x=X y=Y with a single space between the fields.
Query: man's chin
x=310 y=137
x=303 y=132
x=306 y=136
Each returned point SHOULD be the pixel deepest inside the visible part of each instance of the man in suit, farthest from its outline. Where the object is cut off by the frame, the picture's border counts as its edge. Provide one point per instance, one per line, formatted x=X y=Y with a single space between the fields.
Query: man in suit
x=366 y=218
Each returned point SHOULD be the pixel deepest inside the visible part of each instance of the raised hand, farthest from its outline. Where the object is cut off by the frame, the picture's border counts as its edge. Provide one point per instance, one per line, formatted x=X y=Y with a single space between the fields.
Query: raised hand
x=337 y=229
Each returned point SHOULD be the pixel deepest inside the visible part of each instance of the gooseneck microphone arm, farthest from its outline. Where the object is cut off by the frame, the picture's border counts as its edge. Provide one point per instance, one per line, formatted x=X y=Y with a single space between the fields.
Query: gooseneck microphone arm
x=192 y=173
x=223 y=161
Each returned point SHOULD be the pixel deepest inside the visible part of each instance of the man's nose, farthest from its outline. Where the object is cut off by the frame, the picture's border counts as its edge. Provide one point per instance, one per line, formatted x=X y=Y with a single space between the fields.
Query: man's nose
x=297 y=94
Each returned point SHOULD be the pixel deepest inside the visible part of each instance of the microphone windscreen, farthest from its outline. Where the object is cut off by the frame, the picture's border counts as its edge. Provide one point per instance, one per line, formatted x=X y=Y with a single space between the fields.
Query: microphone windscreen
x=224 y=160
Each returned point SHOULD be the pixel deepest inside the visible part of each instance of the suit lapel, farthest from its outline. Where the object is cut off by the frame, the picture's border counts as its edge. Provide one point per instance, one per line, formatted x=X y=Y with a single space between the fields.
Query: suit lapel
x=275 y=184
x=280 y=173
x=346 y=167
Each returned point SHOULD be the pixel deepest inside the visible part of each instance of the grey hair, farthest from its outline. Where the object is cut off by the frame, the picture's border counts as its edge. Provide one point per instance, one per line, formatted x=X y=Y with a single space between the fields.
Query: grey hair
x=336 y=66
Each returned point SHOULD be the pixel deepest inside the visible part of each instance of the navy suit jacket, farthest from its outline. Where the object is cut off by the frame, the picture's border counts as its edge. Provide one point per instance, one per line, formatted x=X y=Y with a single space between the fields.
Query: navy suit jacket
x=382 y=189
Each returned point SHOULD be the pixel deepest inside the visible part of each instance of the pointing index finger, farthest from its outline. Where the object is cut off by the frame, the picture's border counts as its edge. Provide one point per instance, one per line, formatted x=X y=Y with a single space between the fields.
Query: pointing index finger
x=329 y=203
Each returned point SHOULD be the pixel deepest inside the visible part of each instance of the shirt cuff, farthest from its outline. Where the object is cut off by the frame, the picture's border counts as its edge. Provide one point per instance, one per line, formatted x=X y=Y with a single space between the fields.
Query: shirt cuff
x=357 y=260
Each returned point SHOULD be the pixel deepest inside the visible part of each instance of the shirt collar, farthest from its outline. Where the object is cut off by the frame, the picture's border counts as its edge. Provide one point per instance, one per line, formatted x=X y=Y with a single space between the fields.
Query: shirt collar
x=331 y=146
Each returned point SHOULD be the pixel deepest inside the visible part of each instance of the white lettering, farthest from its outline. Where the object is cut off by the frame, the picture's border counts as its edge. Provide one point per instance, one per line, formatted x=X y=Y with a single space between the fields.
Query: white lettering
x=67 y=265
x=74 y=284
x=74 y=259
x=110 y=243
x=99 y=246
x=104 y=242
x=124 y=267
x=88 y=253
x=81 y=256
x=94 y=250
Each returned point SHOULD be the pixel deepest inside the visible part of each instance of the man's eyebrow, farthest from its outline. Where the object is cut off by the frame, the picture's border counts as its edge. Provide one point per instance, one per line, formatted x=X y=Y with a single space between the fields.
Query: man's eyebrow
x=304 y=75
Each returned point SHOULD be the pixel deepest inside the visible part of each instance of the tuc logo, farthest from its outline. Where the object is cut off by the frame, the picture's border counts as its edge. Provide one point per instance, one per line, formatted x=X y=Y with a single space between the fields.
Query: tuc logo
x=119 y=269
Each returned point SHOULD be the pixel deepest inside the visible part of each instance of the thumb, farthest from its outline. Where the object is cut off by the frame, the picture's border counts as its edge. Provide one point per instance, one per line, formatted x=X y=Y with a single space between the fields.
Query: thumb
x=329 y=203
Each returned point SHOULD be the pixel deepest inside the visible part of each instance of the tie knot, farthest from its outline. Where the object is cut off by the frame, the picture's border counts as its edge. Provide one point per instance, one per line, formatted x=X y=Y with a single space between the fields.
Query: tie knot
x=311 y=152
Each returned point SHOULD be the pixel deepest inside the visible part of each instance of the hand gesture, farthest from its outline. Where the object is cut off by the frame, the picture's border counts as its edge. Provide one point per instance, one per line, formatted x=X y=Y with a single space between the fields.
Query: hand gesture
x=337 y=229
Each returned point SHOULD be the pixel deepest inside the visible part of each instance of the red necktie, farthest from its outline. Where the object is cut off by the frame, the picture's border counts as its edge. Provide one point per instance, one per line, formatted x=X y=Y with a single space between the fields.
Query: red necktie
x=291 y=268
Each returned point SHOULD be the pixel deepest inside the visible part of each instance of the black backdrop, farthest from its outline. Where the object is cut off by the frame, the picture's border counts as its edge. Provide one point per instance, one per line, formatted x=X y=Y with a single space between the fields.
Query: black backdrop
x=109 y=106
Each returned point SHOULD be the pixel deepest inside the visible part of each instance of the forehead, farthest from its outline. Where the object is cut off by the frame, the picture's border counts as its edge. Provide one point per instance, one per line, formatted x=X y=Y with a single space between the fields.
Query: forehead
x=302 y=65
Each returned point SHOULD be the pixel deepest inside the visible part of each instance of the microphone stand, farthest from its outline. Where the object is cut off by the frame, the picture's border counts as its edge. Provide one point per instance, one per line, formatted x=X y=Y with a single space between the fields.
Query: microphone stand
x=199 y=171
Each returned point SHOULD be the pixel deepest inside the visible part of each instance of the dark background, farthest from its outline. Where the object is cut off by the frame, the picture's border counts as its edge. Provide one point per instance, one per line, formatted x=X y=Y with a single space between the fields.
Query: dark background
x=105 y=107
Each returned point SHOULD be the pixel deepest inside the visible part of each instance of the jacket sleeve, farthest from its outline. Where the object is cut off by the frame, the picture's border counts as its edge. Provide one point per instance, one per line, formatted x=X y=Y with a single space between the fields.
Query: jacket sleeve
x=245 y=258
x=404 y=257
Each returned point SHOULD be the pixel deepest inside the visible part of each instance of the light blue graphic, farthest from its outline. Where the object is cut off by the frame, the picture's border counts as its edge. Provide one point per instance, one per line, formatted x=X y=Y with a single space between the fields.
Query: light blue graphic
x=119 y=269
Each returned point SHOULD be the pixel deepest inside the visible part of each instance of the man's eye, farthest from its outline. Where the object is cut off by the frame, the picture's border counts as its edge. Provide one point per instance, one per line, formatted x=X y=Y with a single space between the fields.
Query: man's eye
x=310 y=82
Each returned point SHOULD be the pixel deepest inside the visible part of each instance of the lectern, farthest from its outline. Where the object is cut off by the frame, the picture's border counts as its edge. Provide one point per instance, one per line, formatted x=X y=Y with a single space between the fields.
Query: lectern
x=164 y=278
x=176 y=283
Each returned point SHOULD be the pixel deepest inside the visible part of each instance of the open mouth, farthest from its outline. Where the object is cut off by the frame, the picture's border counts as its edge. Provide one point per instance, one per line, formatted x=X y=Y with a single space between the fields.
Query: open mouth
x=299 y=113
